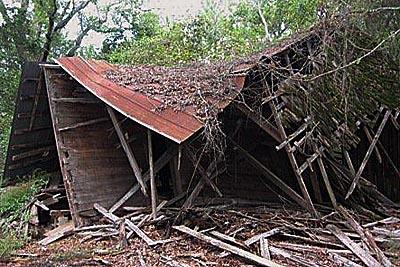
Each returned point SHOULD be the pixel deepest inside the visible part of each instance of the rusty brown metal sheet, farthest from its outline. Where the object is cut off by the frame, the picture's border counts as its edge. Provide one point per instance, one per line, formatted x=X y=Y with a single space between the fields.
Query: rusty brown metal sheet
x=175 y=125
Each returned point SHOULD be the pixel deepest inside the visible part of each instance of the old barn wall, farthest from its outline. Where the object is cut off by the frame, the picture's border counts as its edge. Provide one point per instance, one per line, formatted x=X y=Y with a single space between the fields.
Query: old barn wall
x=31 y=145
x=94 y=166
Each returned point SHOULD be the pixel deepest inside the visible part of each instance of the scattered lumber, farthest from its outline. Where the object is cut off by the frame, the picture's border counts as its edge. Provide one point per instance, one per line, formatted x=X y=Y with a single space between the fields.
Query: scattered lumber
x=362 y=254
x=58 y=233
x=256 y=238
x=235 y=250
x=129 y=224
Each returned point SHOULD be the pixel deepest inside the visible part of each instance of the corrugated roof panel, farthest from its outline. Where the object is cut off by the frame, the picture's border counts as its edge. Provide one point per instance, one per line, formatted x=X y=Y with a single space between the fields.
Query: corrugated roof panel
x=175 y=125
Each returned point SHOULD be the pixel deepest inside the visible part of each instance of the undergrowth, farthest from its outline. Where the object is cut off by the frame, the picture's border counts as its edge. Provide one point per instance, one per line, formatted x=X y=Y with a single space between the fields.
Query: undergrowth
x=13 y=212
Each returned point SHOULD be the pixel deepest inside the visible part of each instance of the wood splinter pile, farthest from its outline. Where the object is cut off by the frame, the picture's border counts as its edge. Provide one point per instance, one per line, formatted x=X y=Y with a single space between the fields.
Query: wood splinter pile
x=263 y=235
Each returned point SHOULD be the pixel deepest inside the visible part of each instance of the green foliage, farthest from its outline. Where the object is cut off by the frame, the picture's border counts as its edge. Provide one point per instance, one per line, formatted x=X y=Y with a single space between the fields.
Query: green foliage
x=13 y=199
x=213 y=35
x=12 y=202
x=10 y=242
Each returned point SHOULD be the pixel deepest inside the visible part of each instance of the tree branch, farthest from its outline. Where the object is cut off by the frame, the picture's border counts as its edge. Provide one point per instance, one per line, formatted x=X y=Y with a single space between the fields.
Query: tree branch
x=64 y=21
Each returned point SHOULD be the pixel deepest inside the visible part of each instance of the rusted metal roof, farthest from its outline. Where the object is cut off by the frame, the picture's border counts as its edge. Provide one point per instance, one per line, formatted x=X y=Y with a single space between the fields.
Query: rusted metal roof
x=175 y=125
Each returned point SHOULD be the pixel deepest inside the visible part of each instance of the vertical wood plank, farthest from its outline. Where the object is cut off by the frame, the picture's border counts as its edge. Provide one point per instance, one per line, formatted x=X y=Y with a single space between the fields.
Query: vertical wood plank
x=128 y=151
x=153 y=188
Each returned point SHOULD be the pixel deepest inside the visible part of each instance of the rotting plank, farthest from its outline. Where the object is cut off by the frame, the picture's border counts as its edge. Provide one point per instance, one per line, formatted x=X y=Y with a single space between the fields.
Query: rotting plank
x=363 y=255
x=274 y=179
x=368 y=154
x=82 y=124
x=128 y=151
x=158 y=165
x=235 y=250
x=153 y=188
x=130 y=225
x=365 y=236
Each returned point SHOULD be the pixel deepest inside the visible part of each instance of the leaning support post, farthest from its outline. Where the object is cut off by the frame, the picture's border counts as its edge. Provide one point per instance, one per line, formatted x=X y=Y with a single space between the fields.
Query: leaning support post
x=327 y=183
x=158 y=165
x=128 y=151
x=368 y=154
x=271 y=176
x=292 y=159
x=153 y=188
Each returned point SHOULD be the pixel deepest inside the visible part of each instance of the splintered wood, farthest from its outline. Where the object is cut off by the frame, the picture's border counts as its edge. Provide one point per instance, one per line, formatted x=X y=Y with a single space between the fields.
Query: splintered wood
x=266 y=235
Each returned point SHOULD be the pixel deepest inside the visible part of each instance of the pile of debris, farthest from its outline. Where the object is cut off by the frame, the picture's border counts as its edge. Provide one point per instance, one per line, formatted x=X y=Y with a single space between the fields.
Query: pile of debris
x=267 y=235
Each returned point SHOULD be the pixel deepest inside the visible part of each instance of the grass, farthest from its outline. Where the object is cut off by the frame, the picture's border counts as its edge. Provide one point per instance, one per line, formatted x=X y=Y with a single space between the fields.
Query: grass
x=10 y=242
x=12 y=202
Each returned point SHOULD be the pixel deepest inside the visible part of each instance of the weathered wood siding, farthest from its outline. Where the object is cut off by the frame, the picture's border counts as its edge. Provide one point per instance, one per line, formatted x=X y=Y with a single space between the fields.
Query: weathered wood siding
x=32 y=144
x=94 y=168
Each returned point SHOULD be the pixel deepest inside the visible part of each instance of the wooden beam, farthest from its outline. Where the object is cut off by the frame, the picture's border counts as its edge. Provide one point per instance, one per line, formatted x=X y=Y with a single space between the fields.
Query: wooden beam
x=292 y=159
x=32 y=152
x=326 y=179
x=394 y=121
x=230 y=248
x=369 y=136
x=301 y=129
x=365 y=236
x=256 y=238
x=82 y=124
x=272 y=177
x=196 y=191
x=308 y=163
x=368 y=154
x=158 y=165
x=130 y=224
x=40 y=84
x=261 y=122
x=349 y=162
x=153 y=188
x=128 y=151
x=202 y=171
x=316 y=186
x=176 y=174
x=82 y=100
x=363 y=255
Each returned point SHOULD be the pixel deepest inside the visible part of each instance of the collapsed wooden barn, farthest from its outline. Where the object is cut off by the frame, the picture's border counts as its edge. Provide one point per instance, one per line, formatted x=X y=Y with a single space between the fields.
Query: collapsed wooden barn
x=102 y=129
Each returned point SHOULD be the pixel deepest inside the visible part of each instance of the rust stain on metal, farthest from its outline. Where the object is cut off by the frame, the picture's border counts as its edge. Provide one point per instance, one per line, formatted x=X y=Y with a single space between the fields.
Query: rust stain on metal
x=175 y=125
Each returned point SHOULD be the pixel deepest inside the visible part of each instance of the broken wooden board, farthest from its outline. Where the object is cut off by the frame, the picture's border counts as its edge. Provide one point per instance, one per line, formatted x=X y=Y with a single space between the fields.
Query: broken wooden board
x=235 y=250
x=363 y=255
x=58 y=233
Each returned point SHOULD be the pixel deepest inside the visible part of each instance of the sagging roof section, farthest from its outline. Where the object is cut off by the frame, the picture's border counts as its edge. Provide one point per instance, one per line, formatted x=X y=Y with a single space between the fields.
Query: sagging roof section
x=175 y=125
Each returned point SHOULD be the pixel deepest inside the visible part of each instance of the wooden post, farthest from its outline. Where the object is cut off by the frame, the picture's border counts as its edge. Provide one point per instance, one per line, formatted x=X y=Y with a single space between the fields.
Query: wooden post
x=326 y=181
x=272 y=177
x=153 y=188
x=369 y=136
x=128 y=151
x=349 y=162
x=158 y=165
x=293 y=162
x=176 y=174
x=368 y=154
